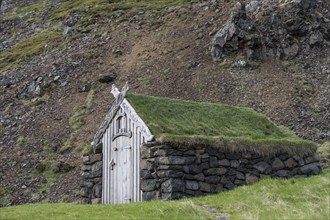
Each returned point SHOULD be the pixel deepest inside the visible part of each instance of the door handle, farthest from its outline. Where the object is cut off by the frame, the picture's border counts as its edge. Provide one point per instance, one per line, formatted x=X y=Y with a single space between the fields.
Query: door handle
x=112 y=164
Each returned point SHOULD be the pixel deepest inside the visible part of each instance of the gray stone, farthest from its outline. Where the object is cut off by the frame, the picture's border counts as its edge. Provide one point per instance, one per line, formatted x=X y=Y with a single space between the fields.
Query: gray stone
x=290 y=163
x=84 y=200
x=229 y=185
x=311 y=169
x=291 y=51
x=167 y=152
x=199 y=177
x=145 y=174
x=234 y=163
x=246 y=156
x=204 y=187
x=86 y=184
x=173 y=185
x=148 y=185
x=97 y=157
x=250 y=179
x=224 y=163
x=205 y=156
x=147 y=196
x=239 y=182
x=188 y=177
x=212 y=179
x=98 y=148
x=233 y=156
x=190 y=192
x=97 y=191
x=86 y=175
x=147 y=165
x=170 y=173
x=170 y=167
x=212 y=151
x=146 y=152
x=204 y=166
x=190 y=153
x=192 y=185
x=277 y=164
x=240 y=176
x=224 y=180
x=283 y=157
x=97 y=180
x=282 y=173
x=86 y=168
x=97 y=169
x=213 y=161
x=311 y=159
x=219 y=188
x=87 y=160
x=31 y=91
x=97 y=166
x=86 y=192
x=215 y=171
x=193 y=169
x=263 y=167
x=96 y=201
x=172 y=195
x=316 y=38
x=175 y=160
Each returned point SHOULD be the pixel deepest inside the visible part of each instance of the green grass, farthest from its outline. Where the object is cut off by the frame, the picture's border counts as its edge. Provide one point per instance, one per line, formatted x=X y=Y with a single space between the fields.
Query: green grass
x=303 y=198
x=180 y=121
x=24 y=10
x=107 y=8
x=27 y=48
x=48 y=168
x=324 y=152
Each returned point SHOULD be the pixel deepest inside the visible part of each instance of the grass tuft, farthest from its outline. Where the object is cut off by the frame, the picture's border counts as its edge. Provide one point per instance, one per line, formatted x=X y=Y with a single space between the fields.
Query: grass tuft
x=95 y=8
x=27 y=48
x=324 y=152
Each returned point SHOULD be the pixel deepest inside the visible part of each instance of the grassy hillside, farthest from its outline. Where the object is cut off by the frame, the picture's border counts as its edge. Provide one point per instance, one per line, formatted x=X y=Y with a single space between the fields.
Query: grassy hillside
x=187 y=121
x=304 y=198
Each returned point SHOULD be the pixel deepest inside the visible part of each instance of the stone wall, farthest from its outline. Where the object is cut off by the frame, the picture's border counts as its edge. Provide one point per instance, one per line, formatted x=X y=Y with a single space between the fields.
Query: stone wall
x=169 y=172
x=91 y=183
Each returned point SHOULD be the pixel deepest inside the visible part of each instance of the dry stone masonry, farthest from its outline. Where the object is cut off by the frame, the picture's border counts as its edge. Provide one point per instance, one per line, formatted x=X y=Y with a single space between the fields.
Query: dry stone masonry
x=171 y=172
x=91 y=182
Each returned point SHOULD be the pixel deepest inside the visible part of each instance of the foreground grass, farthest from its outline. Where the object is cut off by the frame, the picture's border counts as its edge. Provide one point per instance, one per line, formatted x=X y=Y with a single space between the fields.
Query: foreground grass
x=303 y=198
x=172 y=120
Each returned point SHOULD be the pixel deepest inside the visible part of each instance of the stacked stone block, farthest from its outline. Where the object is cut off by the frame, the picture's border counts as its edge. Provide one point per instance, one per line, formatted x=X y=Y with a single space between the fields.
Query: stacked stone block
x=91 y=183
x=171 y=172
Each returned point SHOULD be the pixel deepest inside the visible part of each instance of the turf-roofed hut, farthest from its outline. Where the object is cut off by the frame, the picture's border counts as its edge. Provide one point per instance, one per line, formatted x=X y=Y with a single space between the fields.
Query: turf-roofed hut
x=160 y=148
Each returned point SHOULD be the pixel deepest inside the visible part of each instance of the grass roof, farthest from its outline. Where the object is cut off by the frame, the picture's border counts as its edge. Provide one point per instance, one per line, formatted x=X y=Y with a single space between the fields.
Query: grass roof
x=230 y=127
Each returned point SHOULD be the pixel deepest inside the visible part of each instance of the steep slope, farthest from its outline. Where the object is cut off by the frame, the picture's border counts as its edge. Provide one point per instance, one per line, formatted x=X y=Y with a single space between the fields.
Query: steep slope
x=58 y=60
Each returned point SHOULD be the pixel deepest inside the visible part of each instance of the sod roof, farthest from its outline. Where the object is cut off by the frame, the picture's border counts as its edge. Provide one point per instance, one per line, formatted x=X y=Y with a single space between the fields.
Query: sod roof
x=230 y=127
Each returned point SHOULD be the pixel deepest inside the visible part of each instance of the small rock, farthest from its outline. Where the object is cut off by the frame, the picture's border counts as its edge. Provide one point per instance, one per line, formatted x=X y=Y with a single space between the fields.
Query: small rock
x=107 y=78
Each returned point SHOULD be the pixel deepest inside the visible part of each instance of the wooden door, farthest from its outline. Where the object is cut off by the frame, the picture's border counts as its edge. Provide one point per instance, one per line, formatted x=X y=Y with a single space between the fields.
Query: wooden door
x=121 y=171
x=118 y=165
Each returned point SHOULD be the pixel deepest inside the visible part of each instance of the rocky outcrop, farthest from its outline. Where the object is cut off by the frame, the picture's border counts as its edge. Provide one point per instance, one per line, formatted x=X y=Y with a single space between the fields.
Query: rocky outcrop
x=275 y=29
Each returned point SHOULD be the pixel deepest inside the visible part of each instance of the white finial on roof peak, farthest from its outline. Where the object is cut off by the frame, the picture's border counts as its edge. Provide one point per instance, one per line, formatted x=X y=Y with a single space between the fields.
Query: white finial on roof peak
x=115 y=91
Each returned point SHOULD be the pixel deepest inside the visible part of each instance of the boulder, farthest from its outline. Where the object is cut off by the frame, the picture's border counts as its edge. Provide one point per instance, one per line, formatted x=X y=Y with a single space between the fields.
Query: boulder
x=277 y=164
